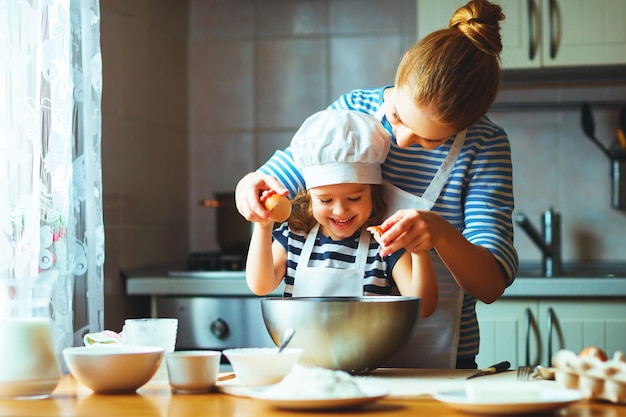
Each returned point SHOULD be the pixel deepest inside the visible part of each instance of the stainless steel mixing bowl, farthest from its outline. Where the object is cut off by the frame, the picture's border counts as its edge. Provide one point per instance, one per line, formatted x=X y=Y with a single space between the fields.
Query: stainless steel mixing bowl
x=353 y=334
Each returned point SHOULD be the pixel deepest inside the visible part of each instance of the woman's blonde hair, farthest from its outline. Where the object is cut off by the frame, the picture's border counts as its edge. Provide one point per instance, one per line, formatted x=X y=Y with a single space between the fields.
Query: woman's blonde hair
x=302 y=220
x=456 y=71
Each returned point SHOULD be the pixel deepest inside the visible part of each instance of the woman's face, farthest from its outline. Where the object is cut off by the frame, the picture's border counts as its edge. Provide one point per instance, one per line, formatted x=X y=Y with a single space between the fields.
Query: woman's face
x=341 y=209
x=413 y=124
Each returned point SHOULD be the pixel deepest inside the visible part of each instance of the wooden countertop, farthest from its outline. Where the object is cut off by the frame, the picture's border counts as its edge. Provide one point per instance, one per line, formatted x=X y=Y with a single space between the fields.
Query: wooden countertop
x=72 y=399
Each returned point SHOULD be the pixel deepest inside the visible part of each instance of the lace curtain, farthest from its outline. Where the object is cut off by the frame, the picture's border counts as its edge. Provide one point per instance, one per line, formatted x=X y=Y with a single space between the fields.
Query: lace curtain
x=50 y=167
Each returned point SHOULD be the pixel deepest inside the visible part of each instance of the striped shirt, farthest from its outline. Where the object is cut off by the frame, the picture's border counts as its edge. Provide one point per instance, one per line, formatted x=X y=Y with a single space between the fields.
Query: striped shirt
x=340 y=254
x=477 y=199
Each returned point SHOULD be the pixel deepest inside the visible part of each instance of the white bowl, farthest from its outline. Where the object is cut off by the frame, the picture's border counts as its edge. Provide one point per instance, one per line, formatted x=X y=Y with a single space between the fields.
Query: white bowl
x=263 y=365
x=113 y=369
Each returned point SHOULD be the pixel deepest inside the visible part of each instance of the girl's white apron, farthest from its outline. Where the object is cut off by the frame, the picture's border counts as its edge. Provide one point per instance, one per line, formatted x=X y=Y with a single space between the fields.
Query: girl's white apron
x=324 y=282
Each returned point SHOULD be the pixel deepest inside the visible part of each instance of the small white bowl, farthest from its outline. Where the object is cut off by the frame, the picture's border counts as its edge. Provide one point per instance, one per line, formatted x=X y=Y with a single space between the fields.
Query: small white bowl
x=262 y=366
x=113 y=369
x=193 y=371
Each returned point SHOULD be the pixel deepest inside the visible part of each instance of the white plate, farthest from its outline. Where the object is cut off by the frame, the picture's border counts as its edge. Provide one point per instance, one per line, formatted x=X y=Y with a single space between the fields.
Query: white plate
x=372 y=393
x=553 y=398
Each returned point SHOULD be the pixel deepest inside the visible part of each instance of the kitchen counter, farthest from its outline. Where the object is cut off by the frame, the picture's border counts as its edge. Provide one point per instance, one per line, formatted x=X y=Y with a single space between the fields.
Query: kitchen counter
x=156 y=282
x=564 y=287
x=72 y=399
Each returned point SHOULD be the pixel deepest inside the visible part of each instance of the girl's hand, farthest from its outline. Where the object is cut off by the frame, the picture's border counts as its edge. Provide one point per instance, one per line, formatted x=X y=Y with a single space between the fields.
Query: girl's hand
x=250 y=193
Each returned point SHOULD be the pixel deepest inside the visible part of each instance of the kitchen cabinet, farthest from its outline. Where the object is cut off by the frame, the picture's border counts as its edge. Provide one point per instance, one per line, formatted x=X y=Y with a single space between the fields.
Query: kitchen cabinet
x=528 y=331
x=547 y=33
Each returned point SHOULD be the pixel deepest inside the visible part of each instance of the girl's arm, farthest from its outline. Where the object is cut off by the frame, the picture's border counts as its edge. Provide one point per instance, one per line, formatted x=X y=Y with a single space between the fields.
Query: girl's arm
x=266 y=264
x=414 y=275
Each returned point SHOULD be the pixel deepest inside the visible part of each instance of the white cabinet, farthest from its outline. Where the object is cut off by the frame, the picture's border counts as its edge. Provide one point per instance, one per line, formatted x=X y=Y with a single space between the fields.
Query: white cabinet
x=547 y=33
x=530 y=330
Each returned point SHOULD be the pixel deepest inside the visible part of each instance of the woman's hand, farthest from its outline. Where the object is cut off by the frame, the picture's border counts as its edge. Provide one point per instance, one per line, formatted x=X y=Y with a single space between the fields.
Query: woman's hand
x=414 y=230
x=473 y=267
x=248 y=195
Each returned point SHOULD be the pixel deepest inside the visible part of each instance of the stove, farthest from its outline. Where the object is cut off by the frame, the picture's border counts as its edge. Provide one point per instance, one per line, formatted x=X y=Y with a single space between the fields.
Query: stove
x=216 y=261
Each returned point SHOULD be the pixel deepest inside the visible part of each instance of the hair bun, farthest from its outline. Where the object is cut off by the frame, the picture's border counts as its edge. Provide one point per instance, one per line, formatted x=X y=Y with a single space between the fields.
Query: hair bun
x=479 y=20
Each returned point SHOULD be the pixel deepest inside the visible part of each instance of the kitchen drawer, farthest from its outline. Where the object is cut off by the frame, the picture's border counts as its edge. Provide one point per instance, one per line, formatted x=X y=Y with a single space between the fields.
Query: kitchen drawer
x=529 y=331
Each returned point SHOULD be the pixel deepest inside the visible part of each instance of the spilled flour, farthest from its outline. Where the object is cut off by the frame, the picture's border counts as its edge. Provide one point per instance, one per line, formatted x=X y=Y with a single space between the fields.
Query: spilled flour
x=304 y=383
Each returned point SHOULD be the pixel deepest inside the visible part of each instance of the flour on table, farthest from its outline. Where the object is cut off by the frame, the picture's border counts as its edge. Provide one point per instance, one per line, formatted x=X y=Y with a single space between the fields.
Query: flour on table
x=314 y=383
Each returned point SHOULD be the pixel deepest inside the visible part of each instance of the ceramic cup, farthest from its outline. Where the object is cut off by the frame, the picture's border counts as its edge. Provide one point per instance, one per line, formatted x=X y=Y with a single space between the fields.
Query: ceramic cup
x=192 y=371
x=158 y=332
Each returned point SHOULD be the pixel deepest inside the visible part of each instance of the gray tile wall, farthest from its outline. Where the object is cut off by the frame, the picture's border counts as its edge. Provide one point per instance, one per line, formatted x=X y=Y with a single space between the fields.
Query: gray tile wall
x=144 y=143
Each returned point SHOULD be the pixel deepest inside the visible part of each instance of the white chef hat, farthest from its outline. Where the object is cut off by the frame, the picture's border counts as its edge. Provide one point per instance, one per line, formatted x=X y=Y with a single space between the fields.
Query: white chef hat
x=340 y=146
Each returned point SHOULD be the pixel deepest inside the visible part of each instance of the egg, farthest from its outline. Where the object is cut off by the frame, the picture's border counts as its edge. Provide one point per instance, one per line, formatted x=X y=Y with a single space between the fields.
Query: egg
x=279 y=206
x=593 y=351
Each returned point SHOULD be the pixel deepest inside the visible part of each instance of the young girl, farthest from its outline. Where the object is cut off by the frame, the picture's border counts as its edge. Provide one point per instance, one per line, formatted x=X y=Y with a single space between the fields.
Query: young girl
x=324 y=248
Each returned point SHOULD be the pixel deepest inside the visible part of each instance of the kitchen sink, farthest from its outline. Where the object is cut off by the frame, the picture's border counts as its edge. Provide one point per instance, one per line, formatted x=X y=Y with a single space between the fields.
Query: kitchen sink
x=576 y=270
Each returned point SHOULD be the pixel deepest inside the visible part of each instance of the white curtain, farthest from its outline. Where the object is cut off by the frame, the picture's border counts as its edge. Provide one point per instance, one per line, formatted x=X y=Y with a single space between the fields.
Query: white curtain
x=50 y=167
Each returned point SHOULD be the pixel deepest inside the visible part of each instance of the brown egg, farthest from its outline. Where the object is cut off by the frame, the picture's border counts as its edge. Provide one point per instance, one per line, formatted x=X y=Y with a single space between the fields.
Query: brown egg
x=279 y=206
x=594 y=351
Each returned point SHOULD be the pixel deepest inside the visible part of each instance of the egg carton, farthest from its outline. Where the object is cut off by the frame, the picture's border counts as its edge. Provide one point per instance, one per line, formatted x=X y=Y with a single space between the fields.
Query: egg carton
x=595 y=378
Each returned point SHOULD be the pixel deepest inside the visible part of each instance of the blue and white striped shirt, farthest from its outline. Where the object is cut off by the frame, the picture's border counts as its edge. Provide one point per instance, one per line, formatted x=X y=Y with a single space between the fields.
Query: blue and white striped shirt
x=339 y=254
x=477 y=199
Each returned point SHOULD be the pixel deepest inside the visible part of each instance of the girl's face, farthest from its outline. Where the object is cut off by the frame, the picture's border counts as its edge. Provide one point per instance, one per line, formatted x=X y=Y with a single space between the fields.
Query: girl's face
x=341 y=209
x=413 y=124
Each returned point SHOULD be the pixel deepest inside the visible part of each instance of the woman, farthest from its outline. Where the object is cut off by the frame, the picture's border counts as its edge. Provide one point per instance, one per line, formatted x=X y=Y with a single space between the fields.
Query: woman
x=448 y=177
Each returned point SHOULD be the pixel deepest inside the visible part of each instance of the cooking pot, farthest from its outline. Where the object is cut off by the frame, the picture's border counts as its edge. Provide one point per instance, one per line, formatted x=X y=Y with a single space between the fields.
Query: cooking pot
x=233 y=230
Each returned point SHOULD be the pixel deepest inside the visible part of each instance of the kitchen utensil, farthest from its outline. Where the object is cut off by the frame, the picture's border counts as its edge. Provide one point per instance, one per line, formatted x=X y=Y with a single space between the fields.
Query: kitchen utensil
x=498 y=367
x=289 y=332
x=525 y=372
x=621 y=130
x=353 y=334
x=225 y=376
x=589 y=127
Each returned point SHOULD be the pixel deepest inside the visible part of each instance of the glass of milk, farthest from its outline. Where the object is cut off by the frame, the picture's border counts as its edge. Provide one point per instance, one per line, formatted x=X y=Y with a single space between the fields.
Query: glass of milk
x=158 y=332
x=29 y=368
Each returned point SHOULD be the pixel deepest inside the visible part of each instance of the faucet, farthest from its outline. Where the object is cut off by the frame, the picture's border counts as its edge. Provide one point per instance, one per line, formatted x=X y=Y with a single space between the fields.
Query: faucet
x=549 y=244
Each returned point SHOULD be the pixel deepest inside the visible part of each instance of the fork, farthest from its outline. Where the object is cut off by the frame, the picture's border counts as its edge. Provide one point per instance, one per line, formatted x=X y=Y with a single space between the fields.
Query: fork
x=524 y=373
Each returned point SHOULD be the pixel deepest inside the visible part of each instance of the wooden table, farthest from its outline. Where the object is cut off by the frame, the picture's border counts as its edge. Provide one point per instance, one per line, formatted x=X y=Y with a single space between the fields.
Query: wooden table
x=72 y=399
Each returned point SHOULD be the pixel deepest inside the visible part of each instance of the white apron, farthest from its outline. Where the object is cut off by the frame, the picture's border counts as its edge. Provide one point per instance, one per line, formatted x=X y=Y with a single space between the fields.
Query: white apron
x=435 y=340
x=330 y=282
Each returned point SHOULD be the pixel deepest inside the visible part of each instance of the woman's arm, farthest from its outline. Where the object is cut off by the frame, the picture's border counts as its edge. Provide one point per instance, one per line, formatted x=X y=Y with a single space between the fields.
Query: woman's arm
x=266 y=263
x=472 y=266
x=415 y=276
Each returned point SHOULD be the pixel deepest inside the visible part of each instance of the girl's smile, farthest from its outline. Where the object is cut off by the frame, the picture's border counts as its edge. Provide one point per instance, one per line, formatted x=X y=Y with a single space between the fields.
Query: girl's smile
x=341 y=209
